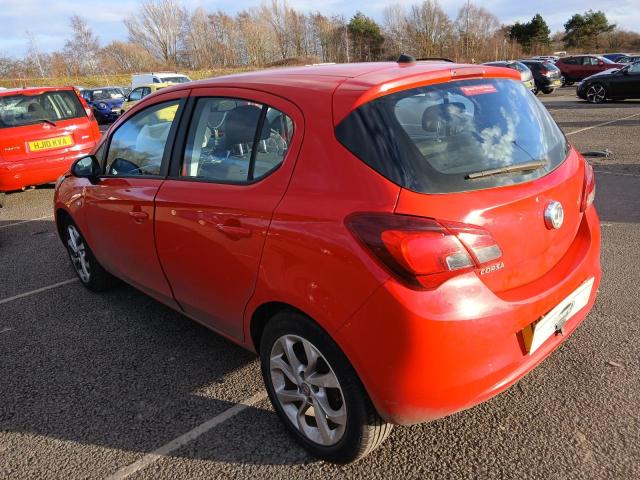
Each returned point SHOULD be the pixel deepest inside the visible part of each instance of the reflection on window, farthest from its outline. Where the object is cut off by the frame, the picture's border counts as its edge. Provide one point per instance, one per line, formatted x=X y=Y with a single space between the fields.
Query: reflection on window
x=222 y=144
x=137 y=147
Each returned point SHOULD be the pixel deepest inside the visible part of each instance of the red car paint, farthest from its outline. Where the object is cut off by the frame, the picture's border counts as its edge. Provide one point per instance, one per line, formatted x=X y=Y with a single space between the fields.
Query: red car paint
x=225 y=254
x=20 y=167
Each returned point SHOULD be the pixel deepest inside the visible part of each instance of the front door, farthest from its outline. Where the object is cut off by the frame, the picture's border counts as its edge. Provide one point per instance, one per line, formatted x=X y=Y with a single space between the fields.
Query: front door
x=629 y=82
x=120 y=206
x=213 y=213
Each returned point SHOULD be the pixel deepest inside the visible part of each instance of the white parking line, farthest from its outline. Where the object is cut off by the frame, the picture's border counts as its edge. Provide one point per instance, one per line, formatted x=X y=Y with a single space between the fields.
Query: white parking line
x=603 y=124
x=38 y=290
x=619 y=174
x=25 y=221
x=183 y=439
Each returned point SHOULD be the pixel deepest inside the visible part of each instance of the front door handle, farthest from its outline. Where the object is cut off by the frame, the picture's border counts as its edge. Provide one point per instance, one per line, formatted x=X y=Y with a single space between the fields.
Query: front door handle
x=138 y=216
x=234 y=231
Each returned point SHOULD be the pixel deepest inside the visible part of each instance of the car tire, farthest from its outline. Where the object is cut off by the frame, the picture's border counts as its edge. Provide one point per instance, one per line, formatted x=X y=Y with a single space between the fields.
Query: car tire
x=90 y=273
x=297 y=386
x=536 y=91
x=596 y=93
x=547 y=91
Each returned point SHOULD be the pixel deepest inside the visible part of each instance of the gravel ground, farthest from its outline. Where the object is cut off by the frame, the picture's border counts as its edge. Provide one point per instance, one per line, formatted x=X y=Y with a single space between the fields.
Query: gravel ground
x=91 y=383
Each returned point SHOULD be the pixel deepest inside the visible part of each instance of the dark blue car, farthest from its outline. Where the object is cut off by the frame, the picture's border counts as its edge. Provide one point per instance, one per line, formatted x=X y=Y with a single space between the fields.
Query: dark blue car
x=105 y=102
x=614 y=56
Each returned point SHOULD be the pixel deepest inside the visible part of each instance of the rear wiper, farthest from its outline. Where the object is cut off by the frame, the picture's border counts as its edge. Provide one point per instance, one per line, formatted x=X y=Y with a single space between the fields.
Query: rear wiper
x=520 y=167
x=39 y=120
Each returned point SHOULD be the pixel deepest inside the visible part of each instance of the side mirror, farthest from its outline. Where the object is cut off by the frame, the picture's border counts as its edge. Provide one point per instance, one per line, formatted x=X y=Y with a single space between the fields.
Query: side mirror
x=86 y=167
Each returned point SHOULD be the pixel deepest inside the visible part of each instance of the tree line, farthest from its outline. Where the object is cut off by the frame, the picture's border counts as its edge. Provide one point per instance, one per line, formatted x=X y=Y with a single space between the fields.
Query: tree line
x=166 y=34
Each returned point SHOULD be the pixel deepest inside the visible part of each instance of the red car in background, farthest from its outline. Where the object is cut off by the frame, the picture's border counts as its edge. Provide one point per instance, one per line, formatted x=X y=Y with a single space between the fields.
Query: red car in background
x=42 y=131
x=398 y=241
x=578 y=67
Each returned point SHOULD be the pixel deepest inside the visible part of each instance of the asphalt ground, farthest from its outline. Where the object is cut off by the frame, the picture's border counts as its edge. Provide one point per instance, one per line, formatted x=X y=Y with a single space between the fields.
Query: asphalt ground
x=93 y=386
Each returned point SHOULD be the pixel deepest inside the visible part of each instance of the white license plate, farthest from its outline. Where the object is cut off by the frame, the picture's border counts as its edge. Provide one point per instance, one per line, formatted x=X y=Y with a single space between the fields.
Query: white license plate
x=553 y=321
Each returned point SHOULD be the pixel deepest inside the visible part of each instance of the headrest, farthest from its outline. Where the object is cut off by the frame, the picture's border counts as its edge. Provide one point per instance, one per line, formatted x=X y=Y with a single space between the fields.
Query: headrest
x=240 y=125
x=445 y=118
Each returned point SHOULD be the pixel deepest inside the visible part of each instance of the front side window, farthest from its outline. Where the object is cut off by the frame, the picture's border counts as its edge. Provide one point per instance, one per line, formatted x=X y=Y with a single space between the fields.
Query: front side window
x=223 y=144
x=137 y=146
x=136 y=95
x=438 y=138
x=634 y=68
x=21 y=109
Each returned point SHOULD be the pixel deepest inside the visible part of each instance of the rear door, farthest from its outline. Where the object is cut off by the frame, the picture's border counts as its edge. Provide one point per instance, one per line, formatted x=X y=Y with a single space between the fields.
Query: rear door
x=120 y=207
x=213 y=213
x=448 y=144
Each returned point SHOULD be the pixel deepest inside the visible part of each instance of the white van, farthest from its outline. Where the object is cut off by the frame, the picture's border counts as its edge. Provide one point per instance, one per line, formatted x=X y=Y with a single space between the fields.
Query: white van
x=140 y=79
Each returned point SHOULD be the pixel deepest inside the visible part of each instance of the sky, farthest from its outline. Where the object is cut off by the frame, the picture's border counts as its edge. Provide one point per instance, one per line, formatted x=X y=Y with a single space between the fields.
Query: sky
x=48 y=20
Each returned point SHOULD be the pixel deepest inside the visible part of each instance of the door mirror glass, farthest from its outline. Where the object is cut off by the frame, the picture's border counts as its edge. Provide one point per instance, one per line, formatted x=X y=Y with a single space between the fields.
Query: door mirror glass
x=86 y=167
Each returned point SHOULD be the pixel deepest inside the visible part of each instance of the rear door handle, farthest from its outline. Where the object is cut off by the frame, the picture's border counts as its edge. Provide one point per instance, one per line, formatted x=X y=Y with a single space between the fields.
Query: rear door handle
x=234 y=231
x=138 y=216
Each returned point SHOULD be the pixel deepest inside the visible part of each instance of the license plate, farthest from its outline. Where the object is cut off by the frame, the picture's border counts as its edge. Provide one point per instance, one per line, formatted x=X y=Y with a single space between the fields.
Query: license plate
x=556 y=83
x=539 y=332
x=50 y=143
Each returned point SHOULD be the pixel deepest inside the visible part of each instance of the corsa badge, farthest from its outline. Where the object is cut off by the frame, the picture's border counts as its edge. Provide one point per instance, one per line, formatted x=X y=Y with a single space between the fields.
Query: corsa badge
x=492 y=268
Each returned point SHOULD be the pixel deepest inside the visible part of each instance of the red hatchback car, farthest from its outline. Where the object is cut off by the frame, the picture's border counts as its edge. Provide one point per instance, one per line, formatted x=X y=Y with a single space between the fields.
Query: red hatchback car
x=397 y=241
x=42 y=132
x=579 y=67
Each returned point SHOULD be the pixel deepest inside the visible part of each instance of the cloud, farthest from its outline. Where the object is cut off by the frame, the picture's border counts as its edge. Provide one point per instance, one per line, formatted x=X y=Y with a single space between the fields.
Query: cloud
x=49 y=20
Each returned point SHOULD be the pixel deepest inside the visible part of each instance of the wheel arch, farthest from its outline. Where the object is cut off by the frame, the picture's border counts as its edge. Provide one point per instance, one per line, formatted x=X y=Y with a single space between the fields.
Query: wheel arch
x=266 y=312
x=60 y=216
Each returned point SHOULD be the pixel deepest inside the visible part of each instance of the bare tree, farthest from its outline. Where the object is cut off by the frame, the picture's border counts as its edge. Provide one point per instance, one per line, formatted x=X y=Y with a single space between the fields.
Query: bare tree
x=429 y=29
x=82 y=48
x=476 y=27
x=159 y=27
x=127 y=57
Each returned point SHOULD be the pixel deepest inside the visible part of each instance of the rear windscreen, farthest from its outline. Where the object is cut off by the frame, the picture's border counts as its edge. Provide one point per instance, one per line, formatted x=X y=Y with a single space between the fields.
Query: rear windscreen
x=430 y=139
x=21 y=109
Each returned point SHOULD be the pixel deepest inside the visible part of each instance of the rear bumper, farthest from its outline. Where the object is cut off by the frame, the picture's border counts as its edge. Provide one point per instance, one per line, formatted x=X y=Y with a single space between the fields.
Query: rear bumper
x=15 y=175
x=425 y=355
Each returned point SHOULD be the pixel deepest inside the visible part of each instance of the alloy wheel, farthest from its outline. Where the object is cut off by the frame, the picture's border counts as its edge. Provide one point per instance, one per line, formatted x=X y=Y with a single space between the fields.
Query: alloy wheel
x=78 y=253
x=596 y=94
x=308 y=390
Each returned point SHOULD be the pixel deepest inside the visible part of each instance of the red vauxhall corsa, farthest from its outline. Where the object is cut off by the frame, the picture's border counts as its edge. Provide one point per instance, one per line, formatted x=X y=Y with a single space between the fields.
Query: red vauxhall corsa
x=42 y=132
x=398 y=241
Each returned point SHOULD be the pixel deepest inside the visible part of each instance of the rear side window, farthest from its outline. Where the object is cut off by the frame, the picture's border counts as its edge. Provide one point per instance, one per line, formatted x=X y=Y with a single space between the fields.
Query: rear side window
x=223 y=144
x=22 y=109
x=137 y=146
x=434 y=139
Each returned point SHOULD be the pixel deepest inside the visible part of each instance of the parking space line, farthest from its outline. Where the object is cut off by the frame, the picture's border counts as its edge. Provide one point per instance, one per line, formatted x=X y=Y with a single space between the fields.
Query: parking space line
x=619 y=174
x=25 y=221
x=603 y=124
x=185 y=438
x=38 y=290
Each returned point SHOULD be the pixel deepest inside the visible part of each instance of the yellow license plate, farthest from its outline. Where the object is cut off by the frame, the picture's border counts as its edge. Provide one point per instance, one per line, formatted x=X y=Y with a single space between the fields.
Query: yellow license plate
x=50 y=143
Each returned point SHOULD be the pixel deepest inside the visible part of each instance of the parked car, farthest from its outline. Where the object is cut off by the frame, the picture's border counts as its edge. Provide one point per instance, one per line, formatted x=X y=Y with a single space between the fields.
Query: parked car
x=525 y=74
x=140 y=79
x=614 y=57
x=139 y=93
x=106 y=102
x=545 y=75
x=577 y=67
x=42 y=131
x=611 y=85
x=546 y=58
x=628 y=59
x=125 y=91
x=398 y=242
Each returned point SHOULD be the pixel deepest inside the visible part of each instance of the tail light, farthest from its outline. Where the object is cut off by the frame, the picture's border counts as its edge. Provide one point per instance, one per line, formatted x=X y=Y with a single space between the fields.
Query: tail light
x=589 y=187
x=422 y=252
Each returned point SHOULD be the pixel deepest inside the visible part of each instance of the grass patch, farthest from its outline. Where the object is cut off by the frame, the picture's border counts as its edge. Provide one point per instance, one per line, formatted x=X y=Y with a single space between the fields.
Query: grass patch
x=106 y=80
